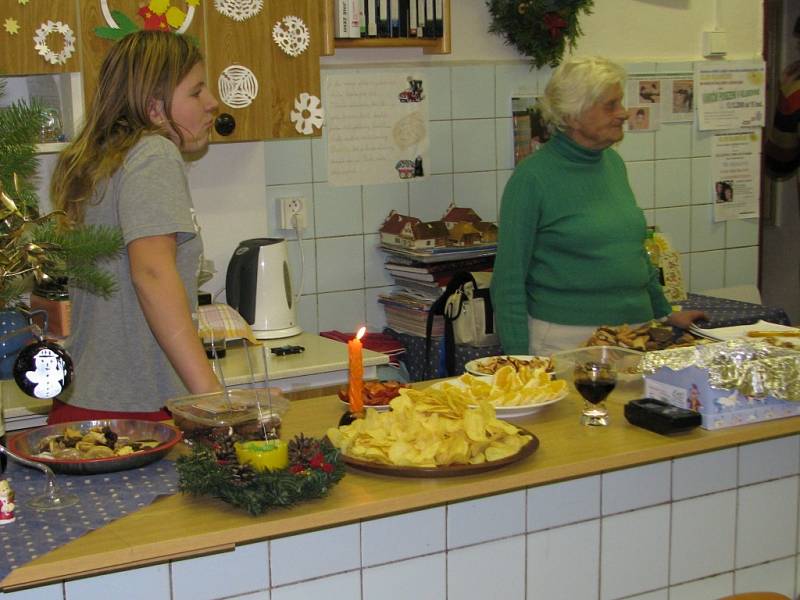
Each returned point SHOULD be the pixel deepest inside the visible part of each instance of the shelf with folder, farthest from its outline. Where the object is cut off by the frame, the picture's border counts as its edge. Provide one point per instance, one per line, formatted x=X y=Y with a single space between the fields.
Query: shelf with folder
x=429 y=45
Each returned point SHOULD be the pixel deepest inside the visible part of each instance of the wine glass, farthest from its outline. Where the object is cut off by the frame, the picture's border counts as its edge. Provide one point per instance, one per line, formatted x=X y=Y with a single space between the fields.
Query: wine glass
x=594 y=381
x=51 y=498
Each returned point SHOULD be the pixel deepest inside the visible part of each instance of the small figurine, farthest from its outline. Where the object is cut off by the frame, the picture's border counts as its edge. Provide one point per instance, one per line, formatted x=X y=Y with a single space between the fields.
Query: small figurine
x=7 y=505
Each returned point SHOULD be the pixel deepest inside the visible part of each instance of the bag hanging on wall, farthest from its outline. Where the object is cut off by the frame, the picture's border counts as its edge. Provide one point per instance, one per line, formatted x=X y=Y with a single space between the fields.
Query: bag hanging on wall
x=468 y=316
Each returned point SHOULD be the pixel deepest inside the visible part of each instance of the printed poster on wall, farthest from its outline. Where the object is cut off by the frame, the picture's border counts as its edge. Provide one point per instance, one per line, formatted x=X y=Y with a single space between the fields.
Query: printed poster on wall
x=730 y=95
x=377 y=125
x=653 y=99
x=529 y=129
x=736 y=175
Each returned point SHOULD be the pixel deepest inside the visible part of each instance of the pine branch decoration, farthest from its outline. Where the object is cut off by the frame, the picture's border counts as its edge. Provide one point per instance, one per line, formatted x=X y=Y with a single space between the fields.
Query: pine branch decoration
x=202 y=473
x=539 y=29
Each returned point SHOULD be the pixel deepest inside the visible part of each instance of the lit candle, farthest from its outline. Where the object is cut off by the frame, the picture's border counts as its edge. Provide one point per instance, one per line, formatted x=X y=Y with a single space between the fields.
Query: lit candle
x=356 y=386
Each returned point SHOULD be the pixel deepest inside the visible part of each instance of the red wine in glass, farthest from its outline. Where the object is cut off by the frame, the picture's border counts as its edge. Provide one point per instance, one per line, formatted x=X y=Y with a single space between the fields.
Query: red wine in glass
x=594 y=381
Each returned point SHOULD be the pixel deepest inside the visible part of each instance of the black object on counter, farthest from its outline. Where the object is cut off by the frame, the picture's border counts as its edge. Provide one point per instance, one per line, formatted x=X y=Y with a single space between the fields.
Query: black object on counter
x=661 y=417
x=284 y=350
x=203 y=298
x=349 y=417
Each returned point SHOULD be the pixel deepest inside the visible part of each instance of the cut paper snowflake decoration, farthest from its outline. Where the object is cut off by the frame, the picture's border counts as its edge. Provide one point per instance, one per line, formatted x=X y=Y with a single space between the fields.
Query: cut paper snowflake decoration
x=239 y=10
x=307 y=113
x=291 y=35
x=11 y=26
x=237 y=86
x=45 y=29
x=155 y=13
x=22 y=2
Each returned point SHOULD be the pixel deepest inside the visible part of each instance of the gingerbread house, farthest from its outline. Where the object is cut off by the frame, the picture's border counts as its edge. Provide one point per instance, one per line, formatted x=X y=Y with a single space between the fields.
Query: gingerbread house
x=396 y=228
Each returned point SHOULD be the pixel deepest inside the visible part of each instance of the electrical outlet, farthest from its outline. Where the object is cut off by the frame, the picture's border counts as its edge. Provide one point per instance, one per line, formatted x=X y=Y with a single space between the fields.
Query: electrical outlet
x=293 y=212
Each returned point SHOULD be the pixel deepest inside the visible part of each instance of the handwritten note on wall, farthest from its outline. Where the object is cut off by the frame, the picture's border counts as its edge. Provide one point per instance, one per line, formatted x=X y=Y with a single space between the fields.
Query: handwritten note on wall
x=377 y=126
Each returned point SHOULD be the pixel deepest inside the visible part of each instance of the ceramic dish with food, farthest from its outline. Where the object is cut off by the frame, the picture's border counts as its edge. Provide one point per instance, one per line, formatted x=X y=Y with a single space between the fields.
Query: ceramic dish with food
x=377 y=394
x=511 y=399
x=489 y=365
x=101 y=446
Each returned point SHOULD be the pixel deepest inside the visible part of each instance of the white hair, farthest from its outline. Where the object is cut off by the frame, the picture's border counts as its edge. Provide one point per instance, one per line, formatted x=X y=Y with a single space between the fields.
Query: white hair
x=575 y=85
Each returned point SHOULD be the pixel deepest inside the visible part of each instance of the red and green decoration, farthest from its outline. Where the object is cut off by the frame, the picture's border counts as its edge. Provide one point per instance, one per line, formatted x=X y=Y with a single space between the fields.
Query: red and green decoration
x=540 y=29
x=156 y=15
x=314 y=468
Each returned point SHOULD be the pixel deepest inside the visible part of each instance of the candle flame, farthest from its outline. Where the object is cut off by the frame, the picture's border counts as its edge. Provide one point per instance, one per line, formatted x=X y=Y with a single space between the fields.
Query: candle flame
x=361 y=333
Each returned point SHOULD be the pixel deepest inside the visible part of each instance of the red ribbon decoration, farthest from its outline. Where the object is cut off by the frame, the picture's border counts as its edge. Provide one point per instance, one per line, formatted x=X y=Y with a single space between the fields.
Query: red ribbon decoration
x=554 y=23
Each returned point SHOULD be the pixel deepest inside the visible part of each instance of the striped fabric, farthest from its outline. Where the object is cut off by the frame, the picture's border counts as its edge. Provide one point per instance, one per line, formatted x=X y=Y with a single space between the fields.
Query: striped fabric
x=783 y=142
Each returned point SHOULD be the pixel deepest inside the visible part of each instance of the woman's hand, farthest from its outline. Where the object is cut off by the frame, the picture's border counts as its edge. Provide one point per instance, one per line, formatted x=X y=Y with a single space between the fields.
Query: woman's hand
x=685 y=318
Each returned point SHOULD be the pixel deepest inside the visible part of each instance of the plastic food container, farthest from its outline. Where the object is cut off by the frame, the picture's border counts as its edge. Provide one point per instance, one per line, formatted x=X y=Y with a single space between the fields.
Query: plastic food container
x=626 y=361
x=201 y=416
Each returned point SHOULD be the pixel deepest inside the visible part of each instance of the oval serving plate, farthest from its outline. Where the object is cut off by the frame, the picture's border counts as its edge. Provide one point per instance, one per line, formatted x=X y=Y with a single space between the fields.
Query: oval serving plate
x=488 y=365
x=25 y=444
x=509 y=412
x=446 y=471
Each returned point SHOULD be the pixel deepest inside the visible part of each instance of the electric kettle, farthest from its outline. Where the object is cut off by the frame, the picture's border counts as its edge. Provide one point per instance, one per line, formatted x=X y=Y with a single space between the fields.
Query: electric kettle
x=258 y=285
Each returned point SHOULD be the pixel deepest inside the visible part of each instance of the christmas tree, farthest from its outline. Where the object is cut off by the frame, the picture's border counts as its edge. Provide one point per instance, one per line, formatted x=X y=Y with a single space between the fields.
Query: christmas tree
x=35 y=248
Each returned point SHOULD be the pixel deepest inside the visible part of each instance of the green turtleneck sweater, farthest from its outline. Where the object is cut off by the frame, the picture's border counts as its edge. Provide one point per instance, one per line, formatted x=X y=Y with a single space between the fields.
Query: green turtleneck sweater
x=571 y=245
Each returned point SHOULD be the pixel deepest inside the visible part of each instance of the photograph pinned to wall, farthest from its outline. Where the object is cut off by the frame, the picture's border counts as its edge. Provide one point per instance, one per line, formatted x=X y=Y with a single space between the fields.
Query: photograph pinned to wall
x=670 y=97
x=377 y=127
x=682 y=96
x=736 y=175
x=649 y=91
x=642 y=118
x=529 y=129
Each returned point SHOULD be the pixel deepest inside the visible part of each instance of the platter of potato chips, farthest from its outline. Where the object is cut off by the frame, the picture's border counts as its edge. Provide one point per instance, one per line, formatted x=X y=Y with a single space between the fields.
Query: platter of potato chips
x=513 y=392
x=431 y=433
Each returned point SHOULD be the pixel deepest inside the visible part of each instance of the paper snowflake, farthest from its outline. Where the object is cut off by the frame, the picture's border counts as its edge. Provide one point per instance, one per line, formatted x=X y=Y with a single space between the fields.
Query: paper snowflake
x=237 y=86
x=239 y=10
x=11 y=26
x=45 y=29
x=307 y=113
x=291 y=35
x=23 y=2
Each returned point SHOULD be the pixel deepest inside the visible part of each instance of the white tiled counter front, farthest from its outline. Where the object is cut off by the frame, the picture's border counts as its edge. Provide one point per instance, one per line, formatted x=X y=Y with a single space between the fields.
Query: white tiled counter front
x=695 y=527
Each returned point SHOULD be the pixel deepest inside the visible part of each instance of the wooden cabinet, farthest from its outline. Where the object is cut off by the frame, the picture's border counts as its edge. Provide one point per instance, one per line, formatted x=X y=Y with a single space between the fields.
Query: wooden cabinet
x=19 y=55
x=281 y=78
x=429 y=45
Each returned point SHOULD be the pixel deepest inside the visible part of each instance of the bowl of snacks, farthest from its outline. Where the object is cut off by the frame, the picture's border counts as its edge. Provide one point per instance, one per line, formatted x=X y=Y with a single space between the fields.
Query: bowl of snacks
x=489 y=365
x=101 y=446
x=377 y=394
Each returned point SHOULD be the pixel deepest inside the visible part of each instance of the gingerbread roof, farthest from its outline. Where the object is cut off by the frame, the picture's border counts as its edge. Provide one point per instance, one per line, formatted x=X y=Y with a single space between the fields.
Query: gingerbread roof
x=456 y=214
x=430 y=230
x=395 y=222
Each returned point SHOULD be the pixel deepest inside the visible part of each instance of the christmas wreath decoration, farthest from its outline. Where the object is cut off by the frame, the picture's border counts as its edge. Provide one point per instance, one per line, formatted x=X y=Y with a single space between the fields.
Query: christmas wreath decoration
x=314 y=467
x=539 y=29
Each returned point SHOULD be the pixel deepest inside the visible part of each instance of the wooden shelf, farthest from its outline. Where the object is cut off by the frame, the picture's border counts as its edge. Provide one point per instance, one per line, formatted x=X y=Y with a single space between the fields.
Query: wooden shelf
x=429 y=45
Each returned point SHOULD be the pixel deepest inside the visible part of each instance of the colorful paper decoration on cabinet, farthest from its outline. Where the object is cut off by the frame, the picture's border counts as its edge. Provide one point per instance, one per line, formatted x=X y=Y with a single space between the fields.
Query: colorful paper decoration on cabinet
x=11 y=26
x=157 y=15
x=291 y=35
x=68 y=42
x=239 y=10
x=307 y=113
x=238 y=86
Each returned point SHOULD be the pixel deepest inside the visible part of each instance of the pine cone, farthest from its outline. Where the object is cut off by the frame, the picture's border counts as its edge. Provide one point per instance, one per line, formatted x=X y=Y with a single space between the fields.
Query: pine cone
x=241 y=475
x=223 y=447
x=302 y=449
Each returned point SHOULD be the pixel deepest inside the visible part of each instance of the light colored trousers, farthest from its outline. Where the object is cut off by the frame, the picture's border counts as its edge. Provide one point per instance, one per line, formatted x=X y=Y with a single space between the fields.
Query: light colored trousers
x=545 y=337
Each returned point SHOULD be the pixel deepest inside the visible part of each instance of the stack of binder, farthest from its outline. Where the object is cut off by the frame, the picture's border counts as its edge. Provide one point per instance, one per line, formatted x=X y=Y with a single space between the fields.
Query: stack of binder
x=389 y=18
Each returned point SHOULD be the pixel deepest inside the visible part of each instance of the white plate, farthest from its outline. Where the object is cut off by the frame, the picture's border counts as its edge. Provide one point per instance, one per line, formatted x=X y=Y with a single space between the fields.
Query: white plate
x=508 y=412
x=473 y=367
x=722 y=334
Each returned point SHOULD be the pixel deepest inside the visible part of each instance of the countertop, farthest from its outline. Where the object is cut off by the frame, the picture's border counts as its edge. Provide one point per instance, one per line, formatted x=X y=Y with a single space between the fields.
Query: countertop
x=182 y=526
x=322 y=363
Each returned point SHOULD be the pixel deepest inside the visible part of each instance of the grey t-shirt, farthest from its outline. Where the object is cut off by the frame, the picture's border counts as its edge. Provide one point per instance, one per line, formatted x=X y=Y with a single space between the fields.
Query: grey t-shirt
x=118 y=363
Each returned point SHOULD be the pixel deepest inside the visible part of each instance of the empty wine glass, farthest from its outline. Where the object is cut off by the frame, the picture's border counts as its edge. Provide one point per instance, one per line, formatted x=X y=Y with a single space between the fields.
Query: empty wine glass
x=52 y=498
x=594 y=381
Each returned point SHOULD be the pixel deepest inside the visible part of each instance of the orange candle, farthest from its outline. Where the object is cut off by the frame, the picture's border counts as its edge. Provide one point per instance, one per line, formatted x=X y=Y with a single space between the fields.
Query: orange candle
x=356 y=387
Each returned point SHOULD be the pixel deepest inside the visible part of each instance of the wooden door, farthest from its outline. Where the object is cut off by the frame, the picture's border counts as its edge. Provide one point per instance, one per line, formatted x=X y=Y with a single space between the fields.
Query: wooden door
x=19 y=55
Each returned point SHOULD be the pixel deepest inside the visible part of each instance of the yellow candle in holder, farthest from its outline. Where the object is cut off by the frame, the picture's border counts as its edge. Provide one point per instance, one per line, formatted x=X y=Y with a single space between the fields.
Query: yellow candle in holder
x=355 y=388
x=272 y=455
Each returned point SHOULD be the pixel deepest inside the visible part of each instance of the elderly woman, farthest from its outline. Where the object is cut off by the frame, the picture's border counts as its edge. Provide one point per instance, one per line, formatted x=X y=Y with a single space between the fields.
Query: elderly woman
x=571 y=253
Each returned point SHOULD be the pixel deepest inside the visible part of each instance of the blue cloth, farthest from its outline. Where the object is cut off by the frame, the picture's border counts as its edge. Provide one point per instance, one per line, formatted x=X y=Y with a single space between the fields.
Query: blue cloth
x=101 y=500
x=729 y=313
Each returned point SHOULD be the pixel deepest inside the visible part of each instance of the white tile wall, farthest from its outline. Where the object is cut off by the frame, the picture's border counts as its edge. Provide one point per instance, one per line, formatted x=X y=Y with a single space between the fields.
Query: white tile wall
x=470 y=161
x=346 y=586
x=486 y=519
x=404 y=536
x=629 y=489
x=703 y=589
x=244 y=570
x=704 y=473
x=769 y=460
x=419 y=578
x=480 y=572
x=149 y=582
x=315 y=554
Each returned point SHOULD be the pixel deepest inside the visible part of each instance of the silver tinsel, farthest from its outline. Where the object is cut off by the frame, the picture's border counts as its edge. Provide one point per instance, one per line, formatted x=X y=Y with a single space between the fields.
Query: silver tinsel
x=753 y=367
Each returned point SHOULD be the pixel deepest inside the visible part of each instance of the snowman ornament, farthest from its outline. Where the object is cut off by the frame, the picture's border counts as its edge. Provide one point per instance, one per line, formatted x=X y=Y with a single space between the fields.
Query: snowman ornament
x=43 y=369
